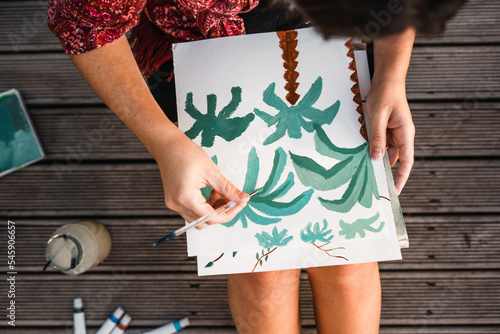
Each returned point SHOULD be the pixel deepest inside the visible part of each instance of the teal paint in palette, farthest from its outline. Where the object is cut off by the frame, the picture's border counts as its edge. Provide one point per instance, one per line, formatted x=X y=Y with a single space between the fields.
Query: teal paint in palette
x=19 y=144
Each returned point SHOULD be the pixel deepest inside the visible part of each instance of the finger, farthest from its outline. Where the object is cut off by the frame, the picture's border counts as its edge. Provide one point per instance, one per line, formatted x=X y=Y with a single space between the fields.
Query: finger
x=201 y=226
x=393 y=152
x=405 y=164
x=226 y=189
x=378 y=130
x=214 y=197
x=226 y=216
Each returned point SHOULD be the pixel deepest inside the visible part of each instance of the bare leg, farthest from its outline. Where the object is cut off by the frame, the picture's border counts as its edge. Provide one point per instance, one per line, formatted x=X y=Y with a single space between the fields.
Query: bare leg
x=266 y=302
x=347 y=298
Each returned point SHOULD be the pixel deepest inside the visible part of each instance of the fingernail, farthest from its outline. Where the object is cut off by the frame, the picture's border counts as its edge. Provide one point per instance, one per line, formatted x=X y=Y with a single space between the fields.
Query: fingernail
x=377 y=153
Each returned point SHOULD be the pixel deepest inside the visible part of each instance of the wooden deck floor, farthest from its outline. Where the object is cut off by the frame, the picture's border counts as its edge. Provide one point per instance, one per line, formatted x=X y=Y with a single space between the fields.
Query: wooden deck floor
x=449 y=281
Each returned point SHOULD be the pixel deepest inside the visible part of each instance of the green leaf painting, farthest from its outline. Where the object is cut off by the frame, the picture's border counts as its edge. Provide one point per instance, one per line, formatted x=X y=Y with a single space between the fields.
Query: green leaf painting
x=264 y=207
x=291 y=119
x=312 y=233
x=359 y=227
x=355 y=168
x=211 y=125
x=275 y=239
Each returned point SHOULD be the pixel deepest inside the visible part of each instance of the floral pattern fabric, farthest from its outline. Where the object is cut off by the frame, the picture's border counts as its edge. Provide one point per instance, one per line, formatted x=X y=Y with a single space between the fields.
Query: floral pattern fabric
x=84 y=25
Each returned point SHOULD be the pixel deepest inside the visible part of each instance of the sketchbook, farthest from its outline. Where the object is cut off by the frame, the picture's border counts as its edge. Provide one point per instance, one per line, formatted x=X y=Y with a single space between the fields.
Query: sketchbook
x=283 y=113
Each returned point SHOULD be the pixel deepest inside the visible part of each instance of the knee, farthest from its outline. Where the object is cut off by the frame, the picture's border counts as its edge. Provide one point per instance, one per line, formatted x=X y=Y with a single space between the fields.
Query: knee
x=347 y=278
x=265 y=282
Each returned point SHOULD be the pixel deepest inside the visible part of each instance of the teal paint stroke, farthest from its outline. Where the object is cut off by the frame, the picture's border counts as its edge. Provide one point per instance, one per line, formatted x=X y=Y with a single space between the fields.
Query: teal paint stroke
x=355 y=169
x=264 y=208
x=312 y=233
x=275 y=239
x=221 y=125
x=360 y=226
x=270 y=242
x=292 y=119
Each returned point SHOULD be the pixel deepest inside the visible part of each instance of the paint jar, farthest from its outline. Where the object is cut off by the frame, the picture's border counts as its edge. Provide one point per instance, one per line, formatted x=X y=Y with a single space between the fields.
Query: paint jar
x=75 y=248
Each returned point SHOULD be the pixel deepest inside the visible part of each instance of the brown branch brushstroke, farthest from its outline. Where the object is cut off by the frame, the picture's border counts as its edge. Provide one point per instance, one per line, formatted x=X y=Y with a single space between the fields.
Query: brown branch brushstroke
x=355 y=89
x=329 y=250
x=288 y=43
x=260 y=258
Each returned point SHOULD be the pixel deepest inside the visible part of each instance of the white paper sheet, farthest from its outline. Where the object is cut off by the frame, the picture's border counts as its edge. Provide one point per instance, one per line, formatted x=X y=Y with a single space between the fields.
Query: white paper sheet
x=231 y=75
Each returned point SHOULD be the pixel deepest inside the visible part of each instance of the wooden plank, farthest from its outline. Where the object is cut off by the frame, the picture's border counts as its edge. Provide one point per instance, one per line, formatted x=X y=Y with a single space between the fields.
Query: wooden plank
x=436 y=243
x=86 y=134
x=476 y=22
x=92 y=189
x=417 y=298
x=452 y=186
x=466 y=129
x=25 y=27
x=442 y=130
x=461 y=73
x=305 y=330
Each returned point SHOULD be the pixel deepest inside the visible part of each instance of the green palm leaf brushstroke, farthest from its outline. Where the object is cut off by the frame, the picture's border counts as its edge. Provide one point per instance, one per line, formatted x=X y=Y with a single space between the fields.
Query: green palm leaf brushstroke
x=360 y=226
x=291 y=119
x=270 y=242
x=275 y=239
x=210 y=125
x=264 y=207
x=311 y=234
x=265 y=201
x=355 y=168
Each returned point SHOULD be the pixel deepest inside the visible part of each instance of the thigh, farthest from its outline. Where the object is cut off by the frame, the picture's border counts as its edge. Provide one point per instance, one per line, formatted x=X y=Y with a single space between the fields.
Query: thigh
x=347 y=298
x=265 y=302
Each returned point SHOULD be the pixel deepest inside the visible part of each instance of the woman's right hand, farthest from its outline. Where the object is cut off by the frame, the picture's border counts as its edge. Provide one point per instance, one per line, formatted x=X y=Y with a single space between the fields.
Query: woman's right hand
x=186 y=168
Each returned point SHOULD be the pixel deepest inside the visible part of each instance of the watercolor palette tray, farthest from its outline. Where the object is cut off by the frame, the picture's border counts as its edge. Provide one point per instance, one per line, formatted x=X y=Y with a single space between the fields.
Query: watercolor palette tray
x=19 y=144
x=283 y=112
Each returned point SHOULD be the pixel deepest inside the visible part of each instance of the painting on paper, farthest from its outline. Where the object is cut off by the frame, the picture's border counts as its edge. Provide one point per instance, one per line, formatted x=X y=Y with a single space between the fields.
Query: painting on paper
x=281 y=113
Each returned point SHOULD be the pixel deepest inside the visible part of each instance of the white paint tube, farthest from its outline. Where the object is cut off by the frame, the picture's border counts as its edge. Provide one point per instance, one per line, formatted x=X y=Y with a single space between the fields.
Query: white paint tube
x=78 y=317
x=111 y=322
x=171 y=328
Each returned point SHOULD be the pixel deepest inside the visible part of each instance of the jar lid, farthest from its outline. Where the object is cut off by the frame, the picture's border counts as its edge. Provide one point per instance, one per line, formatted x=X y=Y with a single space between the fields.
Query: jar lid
x=64 y=252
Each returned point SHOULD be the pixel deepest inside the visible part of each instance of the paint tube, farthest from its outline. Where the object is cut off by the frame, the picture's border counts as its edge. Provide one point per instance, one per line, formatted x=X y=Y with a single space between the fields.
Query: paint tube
x=111 y=322
x=78 y=317
x=122 y=325
x=173 y=327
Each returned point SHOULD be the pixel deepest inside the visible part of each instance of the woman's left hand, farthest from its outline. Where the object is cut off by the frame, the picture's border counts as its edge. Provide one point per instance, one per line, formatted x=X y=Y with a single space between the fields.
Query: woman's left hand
x=392 y=127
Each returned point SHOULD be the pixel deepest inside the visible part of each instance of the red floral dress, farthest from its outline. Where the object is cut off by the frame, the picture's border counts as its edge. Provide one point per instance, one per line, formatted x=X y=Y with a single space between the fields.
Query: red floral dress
x=84 y=25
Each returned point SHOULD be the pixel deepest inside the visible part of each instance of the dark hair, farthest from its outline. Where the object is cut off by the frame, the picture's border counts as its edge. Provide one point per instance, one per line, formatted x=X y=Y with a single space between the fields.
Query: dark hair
x=371 y=18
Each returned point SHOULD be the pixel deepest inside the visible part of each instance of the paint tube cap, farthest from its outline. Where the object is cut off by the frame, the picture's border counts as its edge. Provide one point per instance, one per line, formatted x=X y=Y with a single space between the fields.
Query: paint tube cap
x=184 y=322
x=125 y=320
x=118 y=313
x=77 y=303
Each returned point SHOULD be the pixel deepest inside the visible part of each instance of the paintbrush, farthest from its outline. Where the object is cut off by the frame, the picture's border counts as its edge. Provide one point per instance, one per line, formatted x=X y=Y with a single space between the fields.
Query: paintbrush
x=229 y=205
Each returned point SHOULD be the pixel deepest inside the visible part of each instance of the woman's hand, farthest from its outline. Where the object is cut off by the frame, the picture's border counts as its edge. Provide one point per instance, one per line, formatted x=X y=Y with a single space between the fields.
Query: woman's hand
x=185 y=168
x=391 y=128
x=387 y=108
